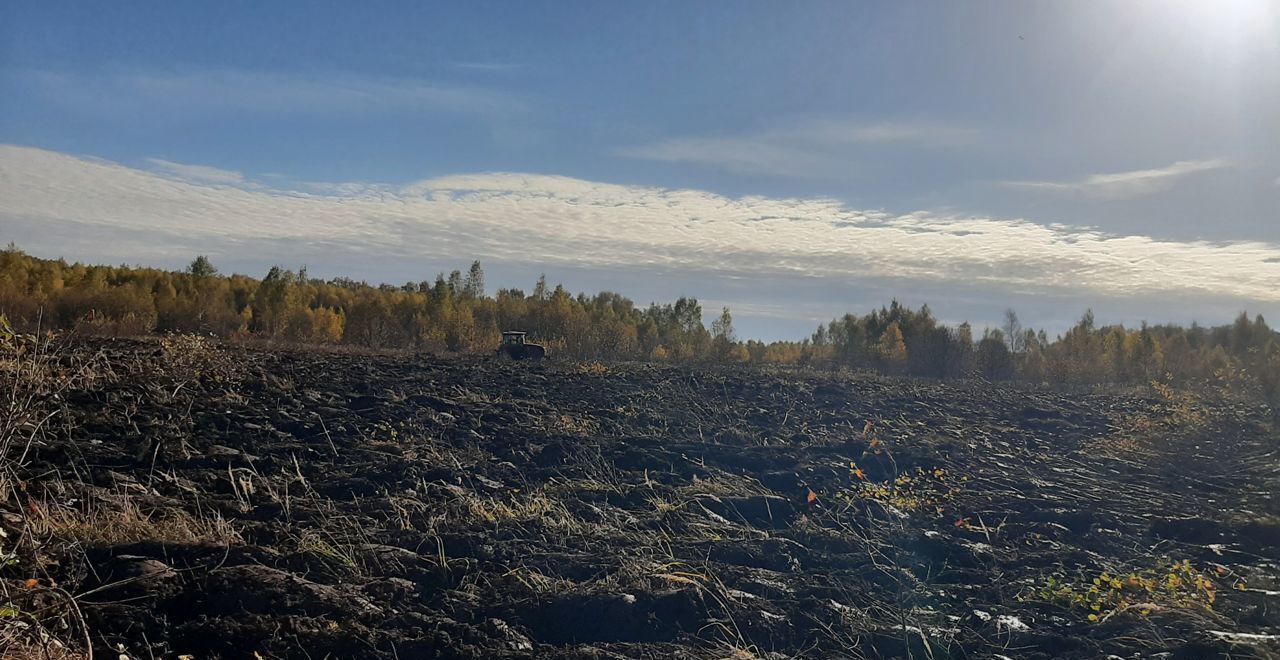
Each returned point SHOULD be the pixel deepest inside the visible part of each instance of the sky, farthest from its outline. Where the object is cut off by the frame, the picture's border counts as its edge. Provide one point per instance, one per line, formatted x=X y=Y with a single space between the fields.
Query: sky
x=791 y=161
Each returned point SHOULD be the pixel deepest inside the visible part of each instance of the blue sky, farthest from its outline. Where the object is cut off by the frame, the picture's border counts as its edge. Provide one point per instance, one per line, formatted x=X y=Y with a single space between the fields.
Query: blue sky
x=1116 y=142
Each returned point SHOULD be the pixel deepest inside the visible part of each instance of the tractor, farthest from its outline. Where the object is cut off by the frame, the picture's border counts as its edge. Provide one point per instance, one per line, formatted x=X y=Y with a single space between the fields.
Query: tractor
x=514 y=347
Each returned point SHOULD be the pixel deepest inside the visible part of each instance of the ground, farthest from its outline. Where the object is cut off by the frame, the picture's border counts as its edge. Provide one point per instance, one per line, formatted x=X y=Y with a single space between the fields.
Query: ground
x=206 y=500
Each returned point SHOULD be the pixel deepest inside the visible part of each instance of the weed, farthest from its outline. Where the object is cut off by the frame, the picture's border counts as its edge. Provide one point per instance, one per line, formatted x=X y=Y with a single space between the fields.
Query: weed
x=1132 y=431
x=1178 y=586
x=919 y=490
x=186 y=359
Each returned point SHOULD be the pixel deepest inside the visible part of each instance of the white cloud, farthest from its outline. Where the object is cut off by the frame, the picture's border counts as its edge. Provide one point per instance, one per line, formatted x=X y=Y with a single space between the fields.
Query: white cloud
x=812 y=147
x=559 y=221
x=1125 y=185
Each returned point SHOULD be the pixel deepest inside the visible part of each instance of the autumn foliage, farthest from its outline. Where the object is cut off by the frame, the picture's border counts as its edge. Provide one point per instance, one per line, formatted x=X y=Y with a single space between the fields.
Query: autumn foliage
x=455 y=313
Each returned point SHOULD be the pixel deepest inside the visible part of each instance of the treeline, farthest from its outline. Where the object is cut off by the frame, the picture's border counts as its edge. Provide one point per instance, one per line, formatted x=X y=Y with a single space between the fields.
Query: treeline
x=896 y=339
x=449 y=313
x=455 y=313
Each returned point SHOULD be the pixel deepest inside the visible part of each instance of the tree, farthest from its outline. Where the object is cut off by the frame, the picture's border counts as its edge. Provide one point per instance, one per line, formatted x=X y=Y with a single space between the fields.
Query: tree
x=965 y=356
x=852 y=341
x=473 y=286
x=455 y=313
x=271 y=301
x=722 y=337
x=1013 y=331
x=993 y=358
x=326 y=326
x=893 y=350
x=1078 y=358
x=456 y=286
x=540 y=290
x=820 y=336
x=1241 y=334
x=202 y=268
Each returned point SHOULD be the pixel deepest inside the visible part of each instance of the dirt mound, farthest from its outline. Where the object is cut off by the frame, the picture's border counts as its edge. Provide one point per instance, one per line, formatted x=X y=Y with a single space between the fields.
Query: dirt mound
x=297 y=504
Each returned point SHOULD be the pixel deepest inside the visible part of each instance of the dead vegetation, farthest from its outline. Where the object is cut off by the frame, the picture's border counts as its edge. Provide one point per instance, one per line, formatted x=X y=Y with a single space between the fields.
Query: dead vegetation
x=178 y=497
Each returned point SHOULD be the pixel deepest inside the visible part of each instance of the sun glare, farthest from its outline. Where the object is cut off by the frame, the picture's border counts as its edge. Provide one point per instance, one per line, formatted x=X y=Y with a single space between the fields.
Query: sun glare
x=1224 y=23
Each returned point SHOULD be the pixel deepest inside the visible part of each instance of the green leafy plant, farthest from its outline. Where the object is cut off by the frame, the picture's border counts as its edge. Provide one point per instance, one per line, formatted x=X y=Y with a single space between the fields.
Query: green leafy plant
x=1176 y=586
x=921 y=489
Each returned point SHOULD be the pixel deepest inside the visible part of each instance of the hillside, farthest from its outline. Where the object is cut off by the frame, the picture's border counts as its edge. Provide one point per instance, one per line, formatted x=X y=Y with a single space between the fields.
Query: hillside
x=217 y=500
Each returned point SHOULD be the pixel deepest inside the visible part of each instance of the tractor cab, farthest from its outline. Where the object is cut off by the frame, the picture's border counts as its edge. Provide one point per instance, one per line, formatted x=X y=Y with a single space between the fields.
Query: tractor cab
x=514 y=347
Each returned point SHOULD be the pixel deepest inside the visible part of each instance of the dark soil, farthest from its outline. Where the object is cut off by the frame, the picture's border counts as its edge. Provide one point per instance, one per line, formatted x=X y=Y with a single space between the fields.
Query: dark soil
x=421 y=507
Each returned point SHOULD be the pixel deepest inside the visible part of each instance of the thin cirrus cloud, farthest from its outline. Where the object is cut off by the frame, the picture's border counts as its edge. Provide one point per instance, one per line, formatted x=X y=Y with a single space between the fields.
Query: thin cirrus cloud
x=104 y=207
x=1125 y=185
x=805 y=148
x=283 y=93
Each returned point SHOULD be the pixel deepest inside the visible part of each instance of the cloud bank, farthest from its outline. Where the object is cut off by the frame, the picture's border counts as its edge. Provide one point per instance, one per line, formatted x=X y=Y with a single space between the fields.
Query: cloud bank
x=559 y=221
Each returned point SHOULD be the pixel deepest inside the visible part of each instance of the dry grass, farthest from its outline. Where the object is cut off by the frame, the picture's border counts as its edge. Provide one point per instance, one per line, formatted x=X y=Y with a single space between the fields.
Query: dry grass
x=591 y=369
x=22 y=639
x=536 y=506
x=538 y=583
x=121 y=521
x=34 y=378
x=724 y=483
x=186 y=359
x=570 y=425
x=330 y=547
x=36 y=372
